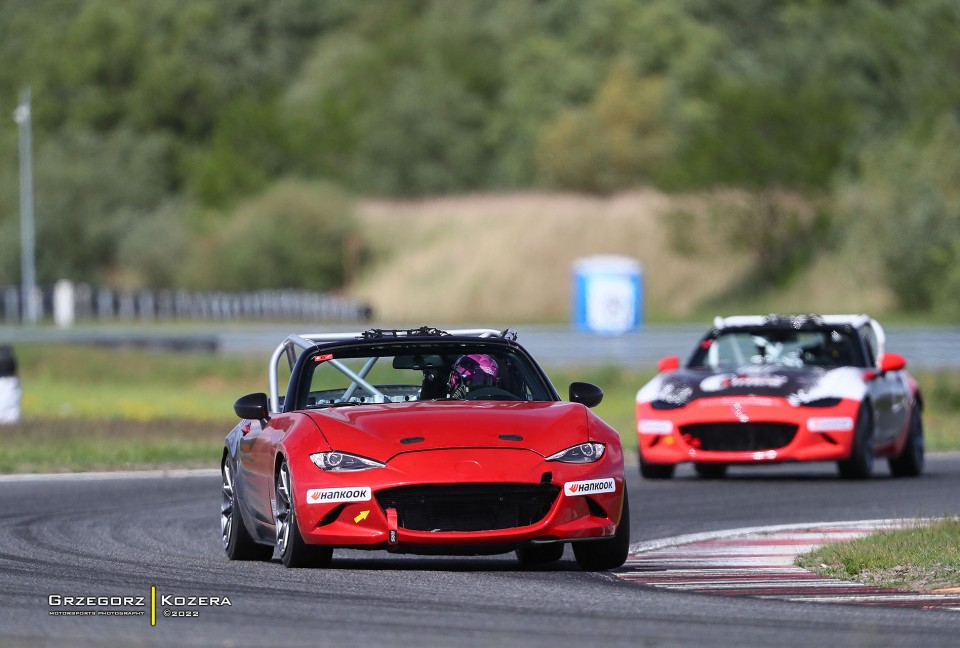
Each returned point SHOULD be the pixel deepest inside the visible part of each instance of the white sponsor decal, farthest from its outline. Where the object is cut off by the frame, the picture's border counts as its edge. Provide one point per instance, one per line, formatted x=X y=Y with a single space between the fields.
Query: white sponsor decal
x=589 y=487
x=328 y=495
x=830 y=424
x=759 y=401
x=654 y=426
x=675 y=394
x=731 y=381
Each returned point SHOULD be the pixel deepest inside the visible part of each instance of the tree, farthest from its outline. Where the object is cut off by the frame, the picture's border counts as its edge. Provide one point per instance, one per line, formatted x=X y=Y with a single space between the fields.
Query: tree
x=909 y=202
x=620 y=140
x=291 y=236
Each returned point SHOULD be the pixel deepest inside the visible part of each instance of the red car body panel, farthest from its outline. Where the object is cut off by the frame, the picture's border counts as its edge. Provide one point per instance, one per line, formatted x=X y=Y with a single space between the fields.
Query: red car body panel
x=462 y=445
x=806 y=445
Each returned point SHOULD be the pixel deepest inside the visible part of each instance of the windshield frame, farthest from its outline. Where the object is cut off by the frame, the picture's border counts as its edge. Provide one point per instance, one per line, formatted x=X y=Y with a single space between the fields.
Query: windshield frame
x=343 y=359
x=780 y=346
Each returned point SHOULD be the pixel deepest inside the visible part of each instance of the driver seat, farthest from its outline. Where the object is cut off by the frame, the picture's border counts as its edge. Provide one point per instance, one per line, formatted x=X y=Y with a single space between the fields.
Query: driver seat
x=432 y=387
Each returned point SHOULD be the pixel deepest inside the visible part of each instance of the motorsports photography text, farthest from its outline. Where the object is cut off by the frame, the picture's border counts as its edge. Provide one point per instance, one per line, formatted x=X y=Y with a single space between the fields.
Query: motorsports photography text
x=153 y=605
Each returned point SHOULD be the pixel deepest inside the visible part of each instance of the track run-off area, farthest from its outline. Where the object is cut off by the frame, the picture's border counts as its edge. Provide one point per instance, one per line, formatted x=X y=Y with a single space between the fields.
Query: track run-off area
x=119 y=541
x=759 y=562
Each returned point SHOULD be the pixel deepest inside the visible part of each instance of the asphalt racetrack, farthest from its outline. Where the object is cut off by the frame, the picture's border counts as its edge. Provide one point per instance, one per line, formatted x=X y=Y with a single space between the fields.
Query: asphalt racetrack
x=113 y=538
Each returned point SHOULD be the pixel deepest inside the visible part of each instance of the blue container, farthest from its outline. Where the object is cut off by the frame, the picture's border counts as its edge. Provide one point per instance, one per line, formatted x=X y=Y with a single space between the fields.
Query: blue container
x=607 y=294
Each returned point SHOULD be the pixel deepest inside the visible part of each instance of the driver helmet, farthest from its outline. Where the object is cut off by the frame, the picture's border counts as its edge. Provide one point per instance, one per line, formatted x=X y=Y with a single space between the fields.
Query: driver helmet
x=470 y=372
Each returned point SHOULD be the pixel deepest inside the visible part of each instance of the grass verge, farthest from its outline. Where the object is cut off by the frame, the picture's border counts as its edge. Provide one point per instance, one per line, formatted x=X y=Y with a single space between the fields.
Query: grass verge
x=922 y=557
x=80 y=444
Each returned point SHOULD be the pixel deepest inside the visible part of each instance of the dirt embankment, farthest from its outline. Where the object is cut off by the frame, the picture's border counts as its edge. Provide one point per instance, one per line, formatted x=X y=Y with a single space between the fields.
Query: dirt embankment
x=507 y=258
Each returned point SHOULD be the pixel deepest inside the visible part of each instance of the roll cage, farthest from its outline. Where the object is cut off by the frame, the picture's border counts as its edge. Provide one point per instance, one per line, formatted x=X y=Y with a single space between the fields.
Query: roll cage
x=870 y=336
x=296 y=346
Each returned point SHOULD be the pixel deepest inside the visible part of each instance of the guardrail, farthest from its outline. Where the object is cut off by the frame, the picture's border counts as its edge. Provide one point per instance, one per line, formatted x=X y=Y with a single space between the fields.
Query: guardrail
x=67 y=303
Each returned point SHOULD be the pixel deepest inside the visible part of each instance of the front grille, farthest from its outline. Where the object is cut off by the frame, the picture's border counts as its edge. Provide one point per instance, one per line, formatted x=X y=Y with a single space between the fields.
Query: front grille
x=468 y=507
x=738 y=437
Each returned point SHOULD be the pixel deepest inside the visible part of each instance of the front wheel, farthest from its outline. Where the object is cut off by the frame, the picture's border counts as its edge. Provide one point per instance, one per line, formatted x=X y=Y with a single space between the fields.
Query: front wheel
x=656 y=471
x=599 y=555
x=294 y=552
x=711 y=471
x=910 y=461
x=540 y=554
x=860 y=463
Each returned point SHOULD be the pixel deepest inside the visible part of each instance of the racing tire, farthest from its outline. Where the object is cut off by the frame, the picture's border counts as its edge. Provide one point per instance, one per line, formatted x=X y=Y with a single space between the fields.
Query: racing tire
x=294 y=552
x=909 y=463
x=710 y=471
x=238 y=544
x=540 y=554
x=860 y=463
x=656 y=471
x=600 y=555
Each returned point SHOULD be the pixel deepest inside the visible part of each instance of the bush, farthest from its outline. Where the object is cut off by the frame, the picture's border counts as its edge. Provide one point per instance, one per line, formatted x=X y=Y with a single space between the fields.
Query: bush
x=620 y=140
x=295 y=235
x=781 y=233
x=910 y=204
x=151 y=251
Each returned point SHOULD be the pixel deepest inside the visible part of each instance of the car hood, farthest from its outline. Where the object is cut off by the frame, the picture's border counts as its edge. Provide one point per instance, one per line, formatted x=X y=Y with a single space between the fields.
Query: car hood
x=798 y=385
x=386 y=430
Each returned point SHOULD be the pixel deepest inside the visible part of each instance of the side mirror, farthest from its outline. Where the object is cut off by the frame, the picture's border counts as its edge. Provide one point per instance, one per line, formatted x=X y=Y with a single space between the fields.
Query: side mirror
x=892 y=362
x=586 y=394
x=252 y=406
x=670 y=363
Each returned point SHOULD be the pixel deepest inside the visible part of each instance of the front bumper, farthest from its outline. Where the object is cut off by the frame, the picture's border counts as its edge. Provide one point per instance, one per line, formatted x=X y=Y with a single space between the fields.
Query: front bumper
x=481 y=499
x=745 y=430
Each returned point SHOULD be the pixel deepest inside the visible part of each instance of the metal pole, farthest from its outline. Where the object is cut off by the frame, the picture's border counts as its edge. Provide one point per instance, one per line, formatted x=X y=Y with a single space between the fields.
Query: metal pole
x=27 y=234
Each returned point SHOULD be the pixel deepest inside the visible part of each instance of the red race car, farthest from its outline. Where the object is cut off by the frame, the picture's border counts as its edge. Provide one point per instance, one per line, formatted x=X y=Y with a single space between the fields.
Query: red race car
x=783 y=388
x=421 y=441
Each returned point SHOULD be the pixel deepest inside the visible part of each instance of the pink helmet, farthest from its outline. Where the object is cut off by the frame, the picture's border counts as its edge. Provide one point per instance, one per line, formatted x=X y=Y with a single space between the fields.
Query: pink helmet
x=471 y=372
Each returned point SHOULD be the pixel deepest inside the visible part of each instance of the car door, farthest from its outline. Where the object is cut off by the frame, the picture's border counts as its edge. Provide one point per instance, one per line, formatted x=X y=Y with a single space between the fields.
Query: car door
x=255 y=474
x=883 y=395
x=896 y=406
x=888 y=392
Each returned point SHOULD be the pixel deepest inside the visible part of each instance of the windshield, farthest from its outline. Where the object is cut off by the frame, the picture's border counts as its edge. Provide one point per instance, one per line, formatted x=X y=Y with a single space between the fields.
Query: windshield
x=780 y=347
x=395 y=374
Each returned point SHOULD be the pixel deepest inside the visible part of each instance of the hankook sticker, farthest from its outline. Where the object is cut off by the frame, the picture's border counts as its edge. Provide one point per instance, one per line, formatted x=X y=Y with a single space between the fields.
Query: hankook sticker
x=590 y=487
x=329 y=495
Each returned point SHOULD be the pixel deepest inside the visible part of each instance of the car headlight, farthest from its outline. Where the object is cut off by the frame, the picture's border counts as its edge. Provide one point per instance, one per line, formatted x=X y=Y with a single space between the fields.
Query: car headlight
x=343 y=462
x=583 y=453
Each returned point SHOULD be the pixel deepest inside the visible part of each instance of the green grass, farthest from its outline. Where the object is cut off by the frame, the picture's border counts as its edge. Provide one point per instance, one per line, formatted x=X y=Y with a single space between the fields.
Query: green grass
x=86 y=444
x=87 y=408
x=62 y=381
x=924 y=556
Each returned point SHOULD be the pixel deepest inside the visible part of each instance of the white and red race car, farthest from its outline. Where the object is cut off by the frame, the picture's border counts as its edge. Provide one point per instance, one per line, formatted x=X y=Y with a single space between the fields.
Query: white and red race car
x=779 y=388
